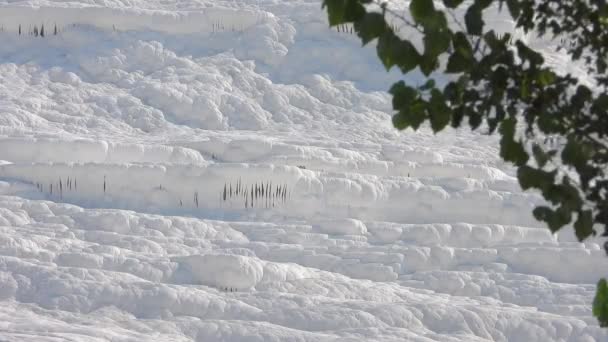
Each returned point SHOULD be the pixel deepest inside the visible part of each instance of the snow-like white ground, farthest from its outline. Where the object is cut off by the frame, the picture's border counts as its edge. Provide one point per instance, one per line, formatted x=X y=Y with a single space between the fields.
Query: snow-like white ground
x=227 y=171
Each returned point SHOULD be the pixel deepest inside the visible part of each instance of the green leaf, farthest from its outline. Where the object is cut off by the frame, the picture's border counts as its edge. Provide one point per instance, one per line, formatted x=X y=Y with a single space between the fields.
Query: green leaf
x=457 y=63
x=421 y=9
x=353 y=11
x=435 y=22
x=540 y=155
x=457 y=116
x=461 y=60
x=475 y=120
x=514 y=9
x=343 y=11
x=600 y=303
x=499 y=79
x=370 y=27
x=492 y=40
x=417 y=114
x=542 y=213
x=555 y=219
x=528 y=54
x=403 y=95
x=384 y=49
x=601 y=103
x=452 y=3
x=583 y=227
x=429 y=84
x=413 y=116
x=524 y=91
x=499 y=115
x=483 y=4
x=440 y=113
x=474 y=21
x=406 y=101
x=406 y=56
x=462 y=45
x=569 y=195
x=452 y=92
x=511 y=150
x=394 y=51
x=334 y=11
x=400 y=121
x=561 y=217
x=428 y=64
x=575 y=154
x=436 y=42
x=545 y=77
x=530 y=177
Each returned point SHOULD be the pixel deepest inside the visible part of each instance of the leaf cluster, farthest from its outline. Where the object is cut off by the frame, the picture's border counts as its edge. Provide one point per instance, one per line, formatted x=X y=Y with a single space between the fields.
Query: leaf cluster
x=553 y=126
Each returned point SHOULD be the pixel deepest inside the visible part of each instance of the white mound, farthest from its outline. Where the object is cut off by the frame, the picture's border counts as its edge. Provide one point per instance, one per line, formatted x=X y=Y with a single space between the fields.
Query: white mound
x=341 y=227
x=226 y=271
